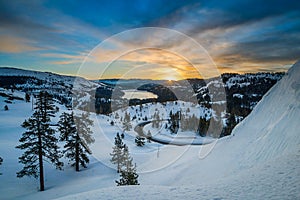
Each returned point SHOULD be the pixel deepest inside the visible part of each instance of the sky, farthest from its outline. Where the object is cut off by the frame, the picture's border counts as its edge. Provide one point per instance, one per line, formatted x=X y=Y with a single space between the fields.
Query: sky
x=156 y=39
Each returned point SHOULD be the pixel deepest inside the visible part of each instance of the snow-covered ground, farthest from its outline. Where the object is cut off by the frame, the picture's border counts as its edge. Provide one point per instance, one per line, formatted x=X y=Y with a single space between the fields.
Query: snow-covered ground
x=260 y=160
x=278 y=179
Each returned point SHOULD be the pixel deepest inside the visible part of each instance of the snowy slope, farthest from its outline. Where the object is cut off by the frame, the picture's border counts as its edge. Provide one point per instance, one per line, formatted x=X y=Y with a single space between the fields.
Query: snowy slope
x=269 y=132
x=62 y=87
x=260 y=161
x=275 y=180
x=274 y=123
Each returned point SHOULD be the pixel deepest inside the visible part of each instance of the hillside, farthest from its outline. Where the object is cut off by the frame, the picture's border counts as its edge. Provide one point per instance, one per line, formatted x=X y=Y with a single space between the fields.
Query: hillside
x=270 y=132
x=63 y=88
x=231 y=97
x=259 y=160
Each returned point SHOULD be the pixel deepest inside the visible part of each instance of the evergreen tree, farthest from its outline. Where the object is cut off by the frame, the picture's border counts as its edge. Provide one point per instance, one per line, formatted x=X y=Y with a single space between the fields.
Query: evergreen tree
x=39 y=141
x=126 y=124
x=215 y=127
x=27 y=97
x=75 y=130
x=122 y=135
x=1 y=160
x=5 y=107
x=156 y=120
x=230 y=124
x=188 y=110
x=183 y=123
x=117 y=154
x=140 y=141
x=149 y=135
x=128 y=174
x=174 y=122
x=203 y=126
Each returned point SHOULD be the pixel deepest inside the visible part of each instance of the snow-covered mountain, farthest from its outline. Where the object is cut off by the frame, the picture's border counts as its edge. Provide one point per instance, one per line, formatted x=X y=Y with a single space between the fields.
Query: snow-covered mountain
x=260 y=160
x=62 y=87
x=44 y=76
x=232 y=95
x=269 y=132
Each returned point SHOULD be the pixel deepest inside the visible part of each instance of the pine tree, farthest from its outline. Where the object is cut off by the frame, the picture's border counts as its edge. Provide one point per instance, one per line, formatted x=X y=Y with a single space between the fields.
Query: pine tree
x=126 y=124
x=203 y=126
x=76 y=132
x=122 y=135
x=230 y=124
x=157 y=120
x=140 y=141
x=174 y=122
x=149 y=135
x=1 y=160
x=27 y=97
x=128 y=174
x=117 y=154
x=39 y=141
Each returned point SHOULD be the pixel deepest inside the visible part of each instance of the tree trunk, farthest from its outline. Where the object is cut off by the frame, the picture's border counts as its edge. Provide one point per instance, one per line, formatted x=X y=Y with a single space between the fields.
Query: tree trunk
x=77 y=153
x=118 y=171
x=42 y=187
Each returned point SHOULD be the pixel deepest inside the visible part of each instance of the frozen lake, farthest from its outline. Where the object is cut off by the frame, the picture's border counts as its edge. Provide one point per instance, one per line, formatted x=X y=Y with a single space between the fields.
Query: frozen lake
x=138 y=94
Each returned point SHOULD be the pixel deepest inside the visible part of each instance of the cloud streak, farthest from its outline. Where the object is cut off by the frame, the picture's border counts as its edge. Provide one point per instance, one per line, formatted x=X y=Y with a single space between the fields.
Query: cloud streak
x=9 y=44
x=241 y=36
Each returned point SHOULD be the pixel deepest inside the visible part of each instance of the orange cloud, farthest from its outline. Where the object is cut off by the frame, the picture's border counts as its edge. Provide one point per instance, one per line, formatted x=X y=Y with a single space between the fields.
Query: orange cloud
x=10 y=44
x=65 y=59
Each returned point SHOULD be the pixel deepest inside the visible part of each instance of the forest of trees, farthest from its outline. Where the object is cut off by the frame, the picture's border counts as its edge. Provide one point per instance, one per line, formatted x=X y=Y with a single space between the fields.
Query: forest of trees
x=39 y=141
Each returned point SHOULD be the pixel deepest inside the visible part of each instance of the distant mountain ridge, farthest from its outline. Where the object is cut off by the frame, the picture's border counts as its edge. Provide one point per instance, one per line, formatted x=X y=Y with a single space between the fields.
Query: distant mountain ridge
x=238 y=93
x=62 y=87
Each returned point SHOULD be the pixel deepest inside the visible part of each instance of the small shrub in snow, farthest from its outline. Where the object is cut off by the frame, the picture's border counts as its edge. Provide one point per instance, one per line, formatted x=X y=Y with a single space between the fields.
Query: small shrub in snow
x=140 y=141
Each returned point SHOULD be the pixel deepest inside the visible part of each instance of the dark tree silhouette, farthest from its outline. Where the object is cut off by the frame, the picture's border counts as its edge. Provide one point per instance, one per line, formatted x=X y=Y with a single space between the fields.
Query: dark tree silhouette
x=39 y=141
x=128 y=174
x=76 y=132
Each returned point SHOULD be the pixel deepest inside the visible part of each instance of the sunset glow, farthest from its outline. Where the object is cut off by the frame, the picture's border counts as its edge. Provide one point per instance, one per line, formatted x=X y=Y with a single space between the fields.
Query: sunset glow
x=261 y=36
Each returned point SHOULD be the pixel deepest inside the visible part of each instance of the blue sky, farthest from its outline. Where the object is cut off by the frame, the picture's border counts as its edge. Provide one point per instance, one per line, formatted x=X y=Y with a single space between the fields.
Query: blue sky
x=240 y=36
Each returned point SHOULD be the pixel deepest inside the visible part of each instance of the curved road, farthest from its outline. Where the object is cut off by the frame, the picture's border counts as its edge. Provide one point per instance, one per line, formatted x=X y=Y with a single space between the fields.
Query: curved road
x=139 y=130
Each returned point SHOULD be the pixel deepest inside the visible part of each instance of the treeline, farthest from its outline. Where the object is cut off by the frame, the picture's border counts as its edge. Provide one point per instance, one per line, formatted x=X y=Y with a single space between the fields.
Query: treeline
x=206 y=125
